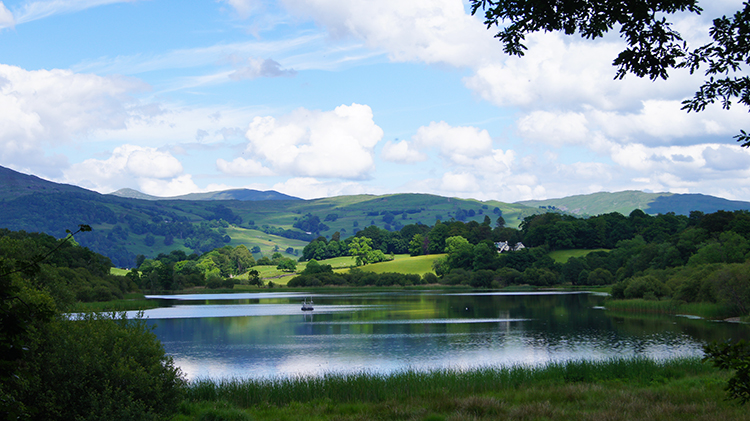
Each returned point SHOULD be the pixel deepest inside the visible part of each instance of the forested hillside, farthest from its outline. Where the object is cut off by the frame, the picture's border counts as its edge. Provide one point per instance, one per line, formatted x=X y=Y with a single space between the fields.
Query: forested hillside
x=700 y=258
x=124 y=228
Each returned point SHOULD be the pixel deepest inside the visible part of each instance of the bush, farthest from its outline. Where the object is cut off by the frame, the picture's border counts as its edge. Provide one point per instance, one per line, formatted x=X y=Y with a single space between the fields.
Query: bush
x=101 y=367
x=728 y=356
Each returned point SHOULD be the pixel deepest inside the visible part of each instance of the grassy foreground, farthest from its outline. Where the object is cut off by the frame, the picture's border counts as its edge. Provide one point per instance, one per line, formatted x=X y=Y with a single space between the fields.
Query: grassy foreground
x=619 y=389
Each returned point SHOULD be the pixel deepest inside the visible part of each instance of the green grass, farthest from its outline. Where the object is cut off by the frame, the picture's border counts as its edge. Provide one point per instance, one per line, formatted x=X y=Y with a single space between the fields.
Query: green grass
x=705 y=310
x=130 y=302
x=118 y=271
x=617 y=389
x=562 y=256
x=266 y=242
x=403 y=263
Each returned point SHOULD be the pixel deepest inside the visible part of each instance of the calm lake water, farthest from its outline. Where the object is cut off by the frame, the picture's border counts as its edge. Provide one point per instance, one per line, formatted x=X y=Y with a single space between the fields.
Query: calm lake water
x=267 y=334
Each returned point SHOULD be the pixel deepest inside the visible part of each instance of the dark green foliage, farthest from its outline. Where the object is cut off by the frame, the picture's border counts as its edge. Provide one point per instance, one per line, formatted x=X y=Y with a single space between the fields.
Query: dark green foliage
x=653 y=47
x=723 y=57
x=732 y=356
x=310 y=223
x=100 y=367
x=322 y=275
x=55 y=368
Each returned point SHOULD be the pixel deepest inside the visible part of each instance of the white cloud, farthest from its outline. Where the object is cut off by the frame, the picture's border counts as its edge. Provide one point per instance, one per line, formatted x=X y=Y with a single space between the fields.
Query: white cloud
x=34 y=10
x=149 y=163
x=6 y=18
x=52 y=107
x=454 y=143
x=244 y=8
x=243 y=167
x=152 y=170
x=554 y=128
x=311 y=188
x=307 y=143
x=727 y=158
x=167 y=188
x=253 y=68
x=401 y=151
x=459 y=182
x=432 y=31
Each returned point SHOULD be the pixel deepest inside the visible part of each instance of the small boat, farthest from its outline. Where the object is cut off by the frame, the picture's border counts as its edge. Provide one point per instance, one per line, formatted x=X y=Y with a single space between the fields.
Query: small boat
x=307 y=306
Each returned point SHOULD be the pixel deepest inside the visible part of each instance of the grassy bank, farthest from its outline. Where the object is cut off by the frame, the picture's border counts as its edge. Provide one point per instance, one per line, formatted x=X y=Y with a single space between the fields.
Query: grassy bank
x=704 y=310
x=130 y=302
x=562 y=256
x=615 y=390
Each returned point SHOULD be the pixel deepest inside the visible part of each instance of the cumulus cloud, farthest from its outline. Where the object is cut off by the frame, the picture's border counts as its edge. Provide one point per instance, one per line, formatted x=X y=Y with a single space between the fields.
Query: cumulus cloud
x=459 y=182
x=401 y=152
x=309 y=143
x=454 y=143
x=311 y=188
x=55 y=105
x=52 y=107
x=153 y=170
x=432 y=31
x=554 y=128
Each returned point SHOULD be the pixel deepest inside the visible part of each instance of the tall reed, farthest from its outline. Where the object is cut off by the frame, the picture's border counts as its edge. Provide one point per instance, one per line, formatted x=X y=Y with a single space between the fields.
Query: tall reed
x=373 y=387
x=705 y=310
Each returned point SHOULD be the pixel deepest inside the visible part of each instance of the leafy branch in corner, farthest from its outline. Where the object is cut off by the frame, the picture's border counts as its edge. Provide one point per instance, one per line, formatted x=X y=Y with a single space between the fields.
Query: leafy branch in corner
x=40 y=259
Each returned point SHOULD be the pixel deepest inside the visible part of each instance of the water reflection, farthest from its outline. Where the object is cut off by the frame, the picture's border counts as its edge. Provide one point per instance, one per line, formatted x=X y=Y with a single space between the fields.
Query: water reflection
x=383 y=332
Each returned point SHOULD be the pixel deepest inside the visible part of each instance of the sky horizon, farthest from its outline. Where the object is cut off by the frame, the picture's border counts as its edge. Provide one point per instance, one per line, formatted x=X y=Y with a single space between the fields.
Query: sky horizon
x=321 y=98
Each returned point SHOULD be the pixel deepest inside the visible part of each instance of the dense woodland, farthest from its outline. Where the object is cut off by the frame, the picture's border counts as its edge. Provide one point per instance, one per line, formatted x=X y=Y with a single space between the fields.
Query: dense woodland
x=695 y=258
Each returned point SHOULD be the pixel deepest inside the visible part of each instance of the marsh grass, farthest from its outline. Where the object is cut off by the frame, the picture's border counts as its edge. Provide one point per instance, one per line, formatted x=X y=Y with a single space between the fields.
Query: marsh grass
x=373 y=387
x=616 y=389
x=129 y=303
x=704 y=310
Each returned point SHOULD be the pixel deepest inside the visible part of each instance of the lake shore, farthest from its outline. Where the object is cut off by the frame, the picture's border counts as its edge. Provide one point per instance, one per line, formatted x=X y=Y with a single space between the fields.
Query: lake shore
x=617 y=389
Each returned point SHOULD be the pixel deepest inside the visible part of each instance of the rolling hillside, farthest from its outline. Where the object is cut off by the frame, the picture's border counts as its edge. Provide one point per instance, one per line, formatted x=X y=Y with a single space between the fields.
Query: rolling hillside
x=125 y=227
x=130 y=223
x=627 y=201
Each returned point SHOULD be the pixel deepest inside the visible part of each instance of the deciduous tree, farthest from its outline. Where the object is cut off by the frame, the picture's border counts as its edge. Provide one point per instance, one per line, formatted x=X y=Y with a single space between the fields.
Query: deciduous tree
x=654 y=47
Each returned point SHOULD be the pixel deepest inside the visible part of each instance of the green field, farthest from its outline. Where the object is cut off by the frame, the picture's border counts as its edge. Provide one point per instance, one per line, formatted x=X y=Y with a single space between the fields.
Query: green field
x=268 y=243
x=403 y=263
x=562 y=256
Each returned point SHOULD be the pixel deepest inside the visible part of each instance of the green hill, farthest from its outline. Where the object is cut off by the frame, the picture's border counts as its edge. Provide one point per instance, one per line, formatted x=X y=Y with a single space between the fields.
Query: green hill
x=623 y=202
x=125 y=227
x=131 y=223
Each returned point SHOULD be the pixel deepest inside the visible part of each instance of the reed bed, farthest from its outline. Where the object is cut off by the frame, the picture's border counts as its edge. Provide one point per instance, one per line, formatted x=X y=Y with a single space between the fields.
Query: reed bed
x=115 y=305
x=412 y=384
x=704 y=310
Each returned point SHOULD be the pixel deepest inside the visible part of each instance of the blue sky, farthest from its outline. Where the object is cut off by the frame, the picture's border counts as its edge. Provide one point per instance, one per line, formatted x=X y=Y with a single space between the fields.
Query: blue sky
x=318 y=98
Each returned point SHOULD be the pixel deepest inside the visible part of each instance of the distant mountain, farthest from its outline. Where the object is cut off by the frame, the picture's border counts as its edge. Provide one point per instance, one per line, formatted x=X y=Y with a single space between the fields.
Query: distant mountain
x=684 y=203
x=627 y=201
x=129 y=223
x=14 y=184
x=623 y=202
x=234 y=194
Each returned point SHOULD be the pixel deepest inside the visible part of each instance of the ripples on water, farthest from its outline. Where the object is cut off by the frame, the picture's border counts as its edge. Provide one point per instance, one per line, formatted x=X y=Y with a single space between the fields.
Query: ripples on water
x=267 y=334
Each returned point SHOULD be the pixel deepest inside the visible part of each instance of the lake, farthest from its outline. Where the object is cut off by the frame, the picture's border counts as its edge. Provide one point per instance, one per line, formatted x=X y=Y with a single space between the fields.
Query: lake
x=263 y=335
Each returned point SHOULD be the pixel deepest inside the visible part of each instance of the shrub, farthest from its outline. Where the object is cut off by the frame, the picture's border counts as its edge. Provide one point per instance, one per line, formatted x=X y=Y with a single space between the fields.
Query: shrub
x=101 y=367
x=728 y=356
